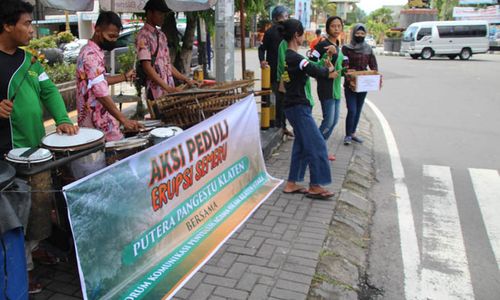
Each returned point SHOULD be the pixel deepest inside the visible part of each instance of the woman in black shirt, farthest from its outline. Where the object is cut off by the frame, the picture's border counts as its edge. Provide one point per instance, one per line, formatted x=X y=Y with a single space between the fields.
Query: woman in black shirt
x=309 y=147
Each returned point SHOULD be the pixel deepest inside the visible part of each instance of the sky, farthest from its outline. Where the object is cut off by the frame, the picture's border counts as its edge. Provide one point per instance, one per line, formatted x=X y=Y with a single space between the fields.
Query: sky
x=371 y=5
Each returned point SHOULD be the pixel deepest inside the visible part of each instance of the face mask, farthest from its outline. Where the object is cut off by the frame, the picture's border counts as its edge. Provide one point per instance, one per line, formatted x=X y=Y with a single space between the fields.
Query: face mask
x=359 y=39
x=107 y=45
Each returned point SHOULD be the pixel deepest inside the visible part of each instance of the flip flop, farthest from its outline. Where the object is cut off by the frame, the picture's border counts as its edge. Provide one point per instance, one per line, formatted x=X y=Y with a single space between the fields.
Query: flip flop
x=331 y=157
x=320 y=196
x=297 y=191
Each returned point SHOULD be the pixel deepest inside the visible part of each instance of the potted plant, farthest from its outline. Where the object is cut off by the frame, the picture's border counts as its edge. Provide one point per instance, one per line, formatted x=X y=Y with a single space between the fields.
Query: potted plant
x=392 y=40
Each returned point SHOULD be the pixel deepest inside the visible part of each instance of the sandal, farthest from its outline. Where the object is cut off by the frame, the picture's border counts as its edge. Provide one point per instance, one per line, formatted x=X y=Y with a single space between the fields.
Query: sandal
x=34 y=287
x=331 y=157
x=324 y=195
x=300 y=190
x=288 y=133
x=43 y=257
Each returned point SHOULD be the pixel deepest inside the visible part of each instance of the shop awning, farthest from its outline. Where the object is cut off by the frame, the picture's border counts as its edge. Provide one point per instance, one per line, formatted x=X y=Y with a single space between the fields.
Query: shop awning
x=127 y=5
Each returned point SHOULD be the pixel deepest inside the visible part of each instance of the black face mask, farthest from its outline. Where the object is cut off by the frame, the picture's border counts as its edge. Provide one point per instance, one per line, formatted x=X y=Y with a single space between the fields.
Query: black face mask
x=359 y=39
x=107 y=45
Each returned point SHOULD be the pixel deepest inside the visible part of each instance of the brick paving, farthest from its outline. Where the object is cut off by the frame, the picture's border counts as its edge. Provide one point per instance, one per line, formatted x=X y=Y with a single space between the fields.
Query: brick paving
x=272 y=256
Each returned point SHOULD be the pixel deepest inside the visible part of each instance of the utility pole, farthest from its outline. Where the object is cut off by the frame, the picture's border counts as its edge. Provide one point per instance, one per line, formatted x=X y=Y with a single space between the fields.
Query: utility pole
x=224 y=40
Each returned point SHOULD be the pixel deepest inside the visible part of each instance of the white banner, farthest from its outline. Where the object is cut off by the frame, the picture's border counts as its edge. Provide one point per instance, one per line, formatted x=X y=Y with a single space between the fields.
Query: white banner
x=143 y=226
x=70 y=5
x=467 y=2
x=480 y=14
x=303 y=12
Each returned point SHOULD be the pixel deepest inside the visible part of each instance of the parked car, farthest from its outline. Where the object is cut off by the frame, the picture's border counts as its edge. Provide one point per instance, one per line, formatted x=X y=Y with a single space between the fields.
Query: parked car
x=72 y=50
x=446 y=38
x=371 y=41
x=127 y=37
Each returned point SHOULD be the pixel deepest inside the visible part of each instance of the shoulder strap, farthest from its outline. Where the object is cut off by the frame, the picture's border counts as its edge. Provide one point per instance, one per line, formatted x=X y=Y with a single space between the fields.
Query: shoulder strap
x=157 y=44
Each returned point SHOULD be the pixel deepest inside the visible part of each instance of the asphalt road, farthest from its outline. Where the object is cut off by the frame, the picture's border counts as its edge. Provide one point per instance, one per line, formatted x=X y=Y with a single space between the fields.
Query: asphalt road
x=445 y=118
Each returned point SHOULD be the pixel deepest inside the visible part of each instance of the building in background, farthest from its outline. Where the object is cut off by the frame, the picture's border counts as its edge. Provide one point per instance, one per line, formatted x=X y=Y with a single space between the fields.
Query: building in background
x=344 y=6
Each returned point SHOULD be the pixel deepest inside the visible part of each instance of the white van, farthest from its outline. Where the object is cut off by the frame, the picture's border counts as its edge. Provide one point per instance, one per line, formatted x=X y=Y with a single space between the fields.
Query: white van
x=446 y=38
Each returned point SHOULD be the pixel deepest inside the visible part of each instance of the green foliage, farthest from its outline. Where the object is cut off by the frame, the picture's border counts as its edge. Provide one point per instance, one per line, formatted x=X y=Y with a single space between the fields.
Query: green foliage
x=127 y=60
x=445 y=8
x=379 y=21
x=49 y=41
x=61 y=72
x=393 y=34
x=65 y=37
x=252 y=7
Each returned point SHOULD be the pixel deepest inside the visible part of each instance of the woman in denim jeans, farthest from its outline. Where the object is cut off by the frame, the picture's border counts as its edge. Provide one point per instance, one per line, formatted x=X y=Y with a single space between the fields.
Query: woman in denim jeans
x=361 y=57
x=309 y=147
x=329 y=90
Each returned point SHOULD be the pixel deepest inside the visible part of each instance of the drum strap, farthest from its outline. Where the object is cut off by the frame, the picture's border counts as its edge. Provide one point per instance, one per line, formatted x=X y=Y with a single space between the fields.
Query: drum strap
x=28 y=152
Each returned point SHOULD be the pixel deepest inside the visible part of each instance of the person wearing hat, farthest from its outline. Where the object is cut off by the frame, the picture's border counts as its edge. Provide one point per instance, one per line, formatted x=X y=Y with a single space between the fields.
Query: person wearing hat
x=153 y=54
x=269 y=56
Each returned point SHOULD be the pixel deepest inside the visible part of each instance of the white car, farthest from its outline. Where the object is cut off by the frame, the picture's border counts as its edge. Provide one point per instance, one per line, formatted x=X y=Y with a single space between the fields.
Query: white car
x=371 y=41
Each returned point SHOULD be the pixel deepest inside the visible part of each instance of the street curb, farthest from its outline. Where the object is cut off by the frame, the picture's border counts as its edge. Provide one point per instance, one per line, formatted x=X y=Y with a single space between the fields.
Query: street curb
x=271 y=139
x=389 y=53
x=343 y=261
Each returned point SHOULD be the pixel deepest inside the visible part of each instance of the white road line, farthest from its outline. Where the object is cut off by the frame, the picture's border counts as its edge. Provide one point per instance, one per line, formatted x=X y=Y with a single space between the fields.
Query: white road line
x=407 y=233
x=487 y=187
x=445 y=270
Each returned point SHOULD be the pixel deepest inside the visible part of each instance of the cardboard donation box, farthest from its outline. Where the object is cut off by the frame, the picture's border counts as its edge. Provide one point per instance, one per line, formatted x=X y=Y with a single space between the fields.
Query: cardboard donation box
x=365 y=81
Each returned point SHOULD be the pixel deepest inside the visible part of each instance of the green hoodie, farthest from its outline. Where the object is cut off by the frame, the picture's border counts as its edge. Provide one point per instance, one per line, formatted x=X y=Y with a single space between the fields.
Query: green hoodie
x=26 y=119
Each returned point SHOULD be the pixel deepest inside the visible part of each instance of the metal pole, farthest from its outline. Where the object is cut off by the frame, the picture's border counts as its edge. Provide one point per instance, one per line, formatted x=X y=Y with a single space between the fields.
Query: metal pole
x=224 y=40
x=66 y=15
x=242 y=30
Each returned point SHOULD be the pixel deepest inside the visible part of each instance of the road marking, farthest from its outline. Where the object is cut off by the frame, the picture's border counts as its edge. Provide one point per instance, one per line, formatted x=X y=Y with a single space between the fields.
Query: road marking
x=445 y=270
x=487 y=187
x=408 y=236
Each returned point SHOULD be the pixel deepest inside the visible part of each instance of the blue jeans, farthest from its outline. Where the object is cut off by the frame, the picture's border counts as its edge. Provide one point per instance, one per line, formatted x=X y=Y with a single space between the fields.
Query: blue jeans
x=309 y=147
x=331 y=110
x=354 y=103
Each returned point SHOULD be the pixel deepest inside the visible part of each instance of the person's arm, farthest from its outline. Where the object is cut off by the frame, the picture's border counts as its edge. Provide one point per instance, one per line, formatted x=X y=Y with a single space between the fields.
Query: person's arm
x=5 y=108
x=316 y=71
x=110 y=106
x=155 y=77
x=263 y=48
x=280 y=68
x=129 y=76
x=179 y=76
x=372 y=62
x=144 y=55
x=98 y=85
x=53 y=101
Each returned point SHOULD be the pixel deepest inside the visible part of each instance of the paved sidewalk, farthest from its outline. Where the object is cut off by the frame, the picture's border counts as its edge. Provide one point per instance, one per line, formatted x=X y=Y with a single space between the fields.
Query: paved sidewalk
x=275 y=253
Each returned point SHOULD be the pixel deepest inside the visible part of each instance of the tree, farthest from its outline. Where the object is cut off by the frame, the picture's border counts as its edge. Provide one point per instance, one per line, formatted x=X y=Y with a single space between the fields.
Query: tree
x=379 y=21
x=445 y=8
x=181 y=46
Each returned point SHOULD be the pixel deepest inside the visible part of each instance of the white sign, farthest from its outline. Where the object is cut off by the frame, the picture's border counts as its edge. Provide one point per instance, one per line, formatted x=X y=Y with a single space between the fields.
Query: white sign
x=367 y=83
x=481 y=13
x=465 y=2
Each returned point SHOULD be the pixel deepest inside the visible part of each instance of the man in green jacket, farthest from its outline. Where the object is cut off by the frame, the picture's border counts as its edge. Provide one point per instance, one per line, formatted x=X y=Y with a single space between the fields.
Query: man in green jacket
x=24 y=88
x=24 y=85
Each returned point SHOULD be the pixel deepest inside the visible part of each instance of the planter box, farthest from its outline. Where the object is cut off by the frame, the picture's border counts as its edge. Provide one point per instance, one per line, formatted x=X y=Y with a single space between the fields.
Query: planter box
x=392 y=44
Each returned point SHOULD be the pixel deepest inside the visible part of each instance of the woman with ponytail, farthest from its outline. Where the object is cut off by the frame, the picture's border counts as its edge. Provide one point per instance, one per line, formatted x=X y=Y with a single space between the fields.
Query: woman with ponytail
x=309 y=147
